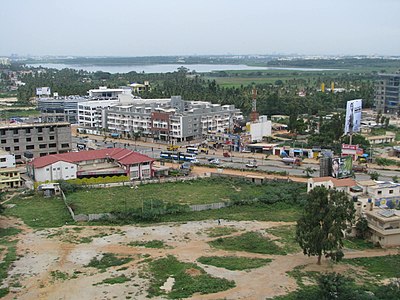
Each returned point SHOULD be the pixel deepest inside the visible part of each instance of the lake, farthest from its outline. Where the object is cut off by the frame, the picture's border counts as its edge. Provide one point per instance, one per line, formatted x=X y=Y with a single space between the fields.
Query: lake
x=165 y=68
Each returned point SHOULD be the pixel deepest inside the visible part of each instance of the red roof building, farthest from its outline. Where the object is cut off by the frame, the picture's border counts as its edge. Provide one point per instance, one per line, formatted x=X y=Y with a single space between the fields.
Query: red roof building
x=91 y=163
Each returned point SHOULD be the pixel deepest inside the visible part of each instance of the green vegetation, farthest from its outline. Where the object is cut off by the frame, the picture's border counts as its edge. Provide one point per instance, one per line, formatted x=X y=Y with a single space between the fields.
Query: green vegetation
x=200 y=191
x=234 y=262
x=326 y=214
x=108 y=260
x=189 y=279
x=357 y=244
x=387 y=266
x=8 y=254
x=58 y=275
x=220 y=231
x=287 y=236
x=253 y=242
x=39 y=212
x=114 y=280
x=148 y=244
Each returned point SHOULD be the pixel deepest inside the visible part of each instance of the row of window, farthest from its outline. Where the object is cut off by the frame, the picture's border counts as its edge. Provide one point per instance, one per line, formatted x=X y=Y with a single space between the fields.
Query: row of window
x=39 y=138
x=25 y=131
x=58 y=168
x=41 y=146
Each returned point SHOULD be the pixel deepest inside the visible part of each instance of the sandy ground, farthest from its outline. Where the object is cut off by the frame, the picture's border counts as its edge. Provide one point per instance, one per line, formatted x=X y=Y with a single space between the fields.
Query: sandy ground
x=60 y=250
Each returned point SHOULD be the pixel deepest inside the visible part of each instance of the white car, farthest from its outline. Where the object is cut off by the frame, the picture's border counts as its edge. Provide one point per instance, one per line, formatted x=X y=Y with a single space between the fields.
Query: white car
x=214 y=161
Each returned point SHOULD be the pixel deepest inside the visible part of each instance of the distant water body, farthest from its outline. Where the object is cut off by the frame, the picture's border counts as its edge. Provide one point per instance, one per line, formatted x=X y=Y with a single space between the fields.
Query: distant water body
x=165 y=68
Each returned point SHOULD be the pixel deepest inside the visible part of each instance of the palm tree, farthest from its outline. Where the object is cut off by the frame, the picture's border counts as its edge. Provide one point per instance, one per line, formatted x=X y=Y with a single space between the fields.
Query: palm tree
x=309 y=171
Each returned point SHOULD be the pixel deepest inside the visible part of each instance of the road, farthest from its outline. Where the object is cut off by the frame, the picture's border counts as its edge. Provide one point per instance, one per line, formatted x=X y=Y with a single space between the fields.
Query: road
x=238 y=161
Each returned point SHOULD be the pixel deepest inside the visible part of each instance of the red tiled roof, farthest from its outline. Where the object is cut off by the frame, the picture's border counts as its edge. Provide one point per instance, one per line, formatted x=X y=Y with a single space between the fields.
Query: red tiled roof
x=336 y=182
x=123 y=156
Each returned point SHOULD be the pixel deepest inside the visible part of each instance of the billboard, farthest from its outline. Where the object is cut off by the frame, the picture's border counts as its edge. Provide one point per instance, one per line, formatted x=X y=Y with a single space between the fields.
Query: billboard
x=40 y=91
x=342 y=167
x=353 y=116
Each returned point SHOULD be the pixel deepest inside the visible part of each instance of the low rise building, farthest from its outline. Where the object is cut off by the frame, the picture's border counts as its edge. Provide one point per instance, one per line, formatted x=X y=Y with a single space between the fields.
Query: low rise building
x=328 y=182
x=35 y=139
x=384 y=225
x=91 y=163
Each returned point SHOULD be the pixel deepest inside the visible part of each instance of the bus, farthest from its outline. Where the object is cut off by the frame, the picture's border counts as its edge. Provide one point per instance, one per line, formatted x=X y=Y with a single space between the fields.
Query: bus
x=194 y=150
x=191 y=157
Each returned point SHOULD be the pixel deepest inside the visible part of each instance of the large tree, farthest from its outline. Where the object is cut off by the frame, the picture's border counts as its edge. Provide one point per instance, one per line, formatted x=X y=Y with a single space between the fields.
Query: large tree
x=320 y=229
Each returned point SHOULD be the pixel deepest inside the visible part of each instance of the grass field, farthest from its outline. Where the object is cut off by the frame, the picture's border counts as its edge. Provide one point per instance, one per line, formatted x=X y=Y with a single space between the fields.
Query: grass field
x=252 y=242
x=234 y=263
x=189 y=279
x=39 y=212
x=202 y=191
x=381 y=266
x=286 y=235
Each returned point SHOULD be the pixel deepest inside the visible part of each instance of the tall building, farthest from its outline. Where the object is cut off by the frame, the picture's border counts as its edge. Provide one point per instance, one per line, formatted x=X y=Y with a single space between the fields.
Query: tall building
x=387 y=93
x=35 y=140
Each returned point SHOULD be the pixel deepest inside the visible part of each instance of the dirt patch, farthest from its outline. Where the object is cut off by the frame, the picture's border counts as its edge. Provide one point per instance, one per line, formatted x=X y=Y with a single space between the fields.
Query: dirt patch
x=193 y=272
x=56 y=268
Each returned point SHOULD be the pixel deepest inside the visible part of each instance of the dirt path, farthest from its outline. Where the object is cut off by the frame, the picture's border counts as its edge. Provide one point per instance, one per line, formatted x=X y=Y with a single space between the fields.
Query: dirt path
x=53 y=261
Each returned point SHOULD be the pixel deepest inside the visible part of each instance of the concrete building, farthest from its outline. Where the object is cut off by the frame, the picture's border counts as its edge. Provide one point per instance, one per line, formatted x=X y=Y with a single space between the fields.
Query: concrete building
x=60 y=109
x=259 y=129
x=106 y=93
x=7 y=160
x=91 y=163
x=387 y=93
x=37 y=139
x=9 y=174
x=331 y=183
x=389 y=137
x=384 y=225
x=170 y=119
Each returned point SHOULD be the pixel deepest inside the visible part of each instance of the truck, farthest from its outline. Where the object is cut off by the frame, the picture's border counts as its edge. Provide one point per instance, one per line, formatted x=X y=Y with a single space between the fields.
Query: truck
x=292 y=161
x=172 y=147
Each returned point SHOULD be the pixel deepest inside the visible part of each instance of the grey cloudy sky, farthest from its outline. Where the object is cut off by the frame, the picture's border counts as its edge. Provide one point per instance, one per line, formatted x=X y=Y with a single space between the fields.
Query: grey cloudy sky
x=187 y=27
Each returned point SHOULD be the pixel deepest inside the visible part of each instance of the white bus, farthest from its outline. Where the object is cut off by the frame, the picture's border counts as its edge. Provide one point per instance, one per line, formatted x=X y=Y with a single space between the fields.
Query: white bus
x=194 y=150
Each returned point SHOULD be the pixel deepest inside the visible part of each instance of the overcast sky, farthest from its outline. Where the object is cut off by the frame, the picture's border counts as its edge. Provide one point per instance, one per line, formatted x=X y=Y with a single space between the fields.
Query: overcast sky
x=188 y=27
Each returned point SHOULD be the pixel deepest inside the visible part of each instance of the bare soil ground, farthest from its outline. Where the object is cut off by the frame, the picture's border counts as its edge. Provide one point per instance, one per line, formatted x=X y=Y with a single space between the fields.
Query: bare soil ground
x=52 y=263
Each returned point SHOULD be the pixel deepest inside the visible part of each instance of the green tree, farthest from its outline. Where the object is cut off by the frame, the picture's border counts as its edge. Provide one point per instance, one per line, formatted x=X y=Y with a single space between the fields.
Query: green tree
x=336 y=286
x=374 y=175
x=362 y=228
x=309 y=171
x=326 y=214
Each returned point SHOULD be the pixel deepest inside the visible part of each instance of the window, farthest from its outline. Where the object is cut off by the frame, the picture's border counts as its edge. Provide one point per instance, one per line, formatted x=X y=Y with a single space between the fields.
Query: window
x=40 y=129
x=42 y=146
x=42 y=154
x=18 y=156
x=27 y=130
x=3 y=141
x=15 y=131
x=40 y=138
x=65 y=145
x=52 y=145
x=379 y=192
x=47 y=169
x=51 y=137
x=29 y=139
x=390 y=191
x=30 y=147
x=66 y=168
x=2 y=132
x=16 y=140
x=7 y=148
x=51 y=129
x=3 y=159
x=16 y=148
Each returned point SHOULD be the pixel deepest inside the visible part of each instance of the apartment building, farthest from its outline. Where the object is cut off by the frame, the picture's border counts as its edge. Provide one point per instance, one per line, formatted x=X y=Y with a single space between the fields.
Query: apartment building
x=170 y=119
x=387 y=93
x=35 y=140
x=9 y=174
x=56 y=109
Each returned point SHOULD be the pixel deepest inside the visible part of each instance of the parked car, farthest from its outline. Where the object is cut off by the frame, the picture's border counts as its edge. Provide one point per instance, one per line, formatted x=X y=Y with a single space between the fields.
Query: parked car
x=360 y=168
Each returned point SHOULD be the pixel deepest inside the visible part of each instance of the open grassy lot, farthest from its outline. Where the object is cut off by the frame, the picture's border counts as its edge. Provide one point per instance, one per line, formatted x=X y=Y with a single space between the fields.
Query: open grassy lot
x=287 y=237
x=189 y=279
x=39 y=212
x=381 y=266
x=234 y=263
x=186 y=193
x=252 y=242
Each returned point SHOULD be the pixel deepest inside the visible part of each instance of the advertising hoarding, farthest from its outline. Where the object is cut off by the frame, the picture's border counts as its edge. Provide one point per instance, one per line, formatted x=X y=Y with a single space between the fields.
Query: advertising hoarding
x=353 y=116
x=40 y=91
x=342 y=167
